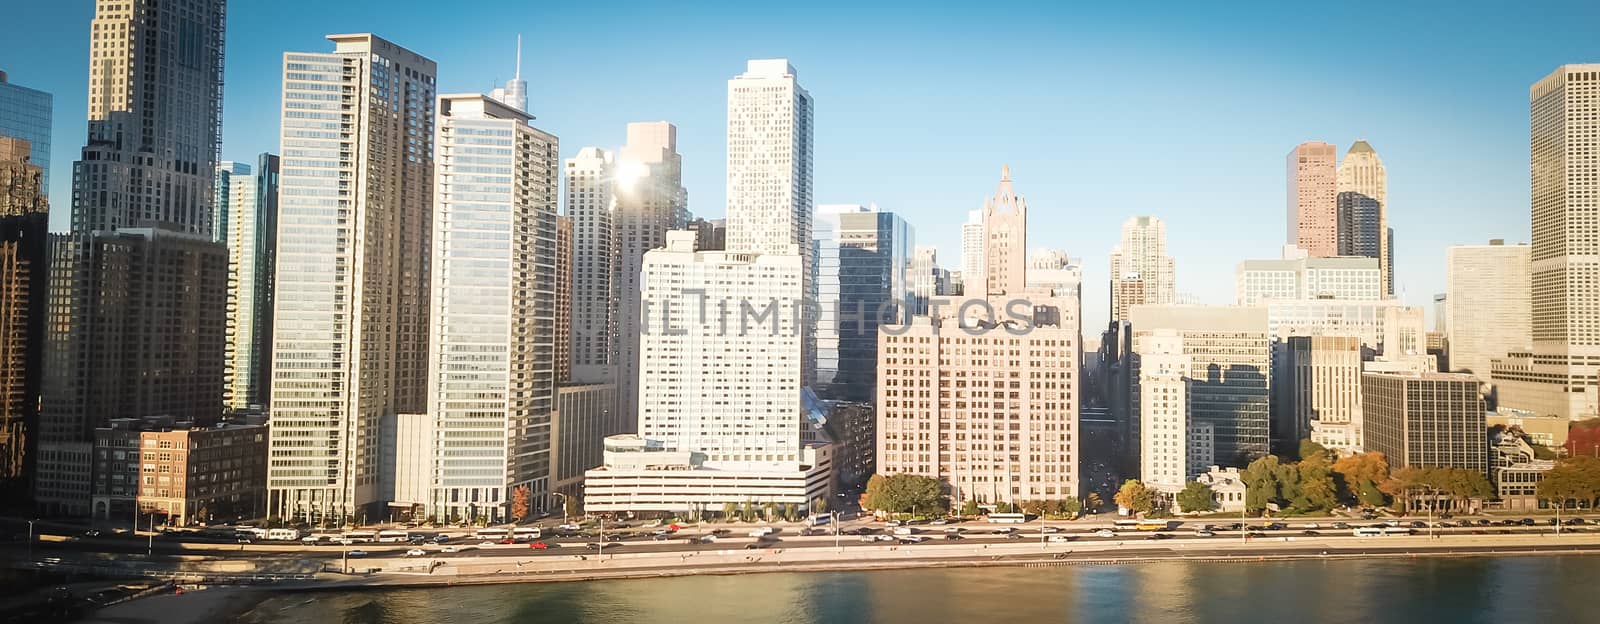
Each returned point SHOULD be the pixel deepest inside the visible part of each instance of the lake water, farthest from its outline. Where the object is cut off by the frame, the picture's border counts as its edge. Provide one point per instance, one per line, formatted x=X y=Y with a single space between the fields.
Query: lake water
x=1413 y=591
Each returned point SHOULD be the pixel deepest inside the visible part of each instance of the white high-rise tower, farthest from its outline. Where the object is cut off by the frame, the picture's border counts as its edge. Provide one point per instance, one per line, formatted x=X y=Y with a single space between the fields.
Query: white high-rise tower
x=769 y=160
x=515 y=93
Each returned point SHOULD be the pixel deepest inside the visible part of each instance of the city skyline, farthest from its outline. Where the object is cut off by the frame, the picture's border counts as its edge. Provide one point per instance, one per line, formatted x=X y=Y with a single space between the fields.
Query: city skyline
x=1232 y=197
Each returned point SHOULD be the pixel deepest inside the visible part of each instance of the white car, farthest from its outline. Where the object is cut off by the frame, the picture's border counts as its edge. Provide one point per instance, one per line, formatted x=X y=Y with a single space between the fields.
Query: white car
x=449 y=549
x=416 y=552
x=1312 y=525
x=1105 y=533
x=1049 y=529
x=485 y=543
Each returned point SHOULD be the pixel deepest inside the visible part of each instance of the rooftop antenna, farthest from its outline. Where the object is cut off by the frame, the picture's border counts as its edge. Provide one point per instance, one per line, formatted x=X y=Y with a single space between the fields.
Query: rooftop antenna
x=519 y=57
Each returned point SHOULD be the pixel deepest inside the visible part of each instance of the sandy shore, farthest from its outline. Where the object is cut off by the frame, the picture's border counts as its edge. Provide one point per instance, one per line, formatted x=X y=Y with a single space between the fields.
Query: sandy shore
x=208 y=606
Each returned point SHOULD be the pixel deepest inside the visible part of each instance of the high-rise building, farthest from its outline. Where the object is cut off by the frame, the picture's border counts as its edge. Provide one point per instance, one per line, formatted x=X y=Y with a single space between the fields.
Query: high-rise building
x=590 y=179
x=248 y=226
x=515 y=93
x=1441 y=313
x=24 y=291
x=1230 y=359
x=493 y=344
x=972 y=254
x=1174 y=447
x=1313 y=217
x=1562 y=374
x=1487 y=296
x=709 y=234
x=863 y=278
x=1141 y=270
x=769 y=160
x=1005 y=234
x=651 y=201
x=141 y=226
x=222 y=195
x=563 y=312
x=1300 y=278
x=26 y=114
x=1056 y=272
x=1324 y=390
x=350 y=324
x=1425 y=420
x=927 y=279
x=944 y=380
x=1363 y=210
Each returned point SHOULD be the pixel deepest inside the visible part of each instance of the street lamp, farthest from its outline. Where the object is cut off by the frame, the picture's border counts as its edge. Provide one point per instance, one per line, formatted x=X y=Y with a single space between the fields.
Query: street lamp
x=30 y=539
x=563 y=506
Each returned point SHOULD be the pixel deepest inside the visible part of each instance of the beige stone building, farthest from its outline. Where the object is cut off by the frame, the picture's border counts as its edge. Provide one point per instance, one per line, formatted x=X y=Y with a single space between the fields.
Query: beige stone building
x=1487 y=304
x=1313 y=213
x=1324 y=390
x=1005 y=227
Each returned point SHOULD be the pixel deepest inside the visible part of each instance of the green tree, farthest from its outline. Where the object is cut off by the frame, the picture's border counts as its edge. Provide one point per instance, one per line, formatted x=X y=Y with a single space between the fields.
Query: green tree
x=749 y=512
x=730 y=512
x=1002 y=507
x=819 y=506
x=1135 y=497
x=1312 y=450
x=1575 y=479
x=1196 y=497
x=1261 y=484
x=970 y=508
x=1317 y=491
x=904 y=493
x=572 y=506
x=1071 y=507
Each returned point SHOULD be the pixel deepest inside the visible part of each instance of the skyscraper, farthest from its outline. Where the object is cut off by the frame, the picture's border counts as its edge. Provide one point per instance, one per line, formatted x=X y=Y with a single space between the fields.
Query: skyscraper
x=1299 y=278
x=492 y=350
x=972 y=254
x=1323 y=391
x=27 y=115
x=1487 y=304
x=1562 y=375
x=650 y=201
x=24 y=271
x=591 y=176
x=515 y=93
x=1141 y=270
x=1363 y=209
x=350 y=328
x=139 y=260
x=563 y=342
x=1230 y=358
x=249 y=228
x=1425 y=420
x=863 y=279
x=1169 y=455
x=1005 y=233
x=927 y=279
x=769 y=160
x=1312 y=199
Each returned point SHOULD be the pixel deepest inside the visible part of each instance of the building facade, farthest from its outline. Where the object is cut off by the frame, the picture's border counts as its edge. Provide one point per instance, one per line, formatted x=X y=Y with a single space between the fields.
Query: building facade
x=24 y=295
x=769 y=160
x=973 y=257
x=1297 y=278
x=1005 y=233
x=585 y=415
x=1425 y=420
x=180 y=474
x=1487 y=303
x=26 y=114
x=1363 y=210
x=1141 y=270
x=653 y=203
x=590 y=182
x=1313 y=217
x=1324 y=392
x=1230 y=360
x=350 y=319
x=1161 y=396
x=247 y=203
x=864 y=275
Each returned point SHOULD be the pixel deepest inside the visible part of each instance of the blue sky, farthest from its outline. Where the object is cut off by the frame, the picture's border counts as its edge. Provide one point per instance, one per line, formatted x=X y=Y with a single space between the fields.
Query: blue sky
x=1180 y=110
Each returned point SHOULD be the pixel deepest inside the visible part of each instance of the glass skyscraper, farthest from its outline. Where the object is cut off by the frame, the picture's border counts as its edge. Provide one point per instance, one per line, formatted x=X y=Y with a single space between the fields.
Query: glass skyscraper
x=25 y=114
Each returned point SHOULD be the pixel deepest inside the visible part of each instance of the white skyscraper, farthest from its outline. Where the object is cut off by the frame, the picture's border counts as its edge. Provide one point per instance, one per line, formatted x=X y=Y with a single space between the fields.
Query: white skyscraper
x=1487 y=303
x=769 y=160
x=515 y=93
x=491 y=367
x=974 y=254
x=1167 y=431
x=591 y=201
x=1141 y=270
x=247 y=224
x=350 y=330
x=650 y=201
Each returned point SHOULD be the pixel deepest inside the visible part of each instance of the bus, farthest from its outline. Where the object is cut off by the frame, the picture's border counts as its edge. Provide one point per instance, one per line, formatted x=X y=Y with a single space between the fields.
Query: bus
x=526 y=534
x=253 y=533
x=283 y=535
x=359 y=537
x=819 y=519
x=1398 y=530
x=1008 y=518
x=1126 y=524
x=1151 y=525
x=392 y=536
x=492 y=534
x=1369 y=531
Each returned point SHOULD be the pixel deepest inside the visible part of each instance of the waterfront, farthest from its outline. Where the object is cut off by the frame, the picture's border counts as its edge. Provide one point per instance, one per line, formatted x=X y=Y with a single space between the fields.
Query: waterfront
x=1478 y=589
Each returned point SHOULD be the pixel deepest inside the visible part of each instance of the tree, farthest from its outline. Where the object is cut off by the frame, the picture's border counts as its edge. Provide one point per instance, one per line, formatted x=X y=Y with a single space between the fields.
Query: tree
x=819 y=506
x=1051 y=508
x=1572 y=479
x=520 y=496
x=970 y=508
x=1135 y=497
x=1261 y=484
x=1196 y=497
x=1002 y=507
x=749 y=511
x=1093 y=502
x=1317 y=491
x=875 y=497
x=730 y=511
x=1310 y=450
x=904 y=493
x=1359 y=476
x=1071 y=507
x=571 y=507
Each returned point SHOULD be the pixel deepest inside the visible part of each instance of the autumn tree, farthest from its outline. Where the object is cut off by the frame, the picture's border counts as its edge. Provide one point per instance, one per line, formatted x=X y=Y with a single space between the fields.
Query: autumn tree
x=1573 y=479
x=1093 y=502
x=1360 y=475
x=1196 y=497
x=520 y=496
x=1135 y=497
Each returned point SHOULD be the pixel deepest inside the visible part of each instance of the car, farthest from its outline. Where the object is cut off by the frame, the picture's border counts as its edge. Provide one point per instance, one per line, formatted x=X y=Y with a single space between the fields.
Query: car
x=722 y=532
x=508 y=541
x=356 y=553
x=954 y=530
x=1050 y=529
x=893 y=523
x=883 y=538
x=92 y=533
x=706 y=539
x=592 y=546
x=1204 y=533
x=1105 y=533
x=416 y=552
x=755 y=546
x=1484 y=522
x=449 y=549
x=1527 y=522
x=941 y=521
x=1418 y=524
x=1311 y=525
x=440 y=539
x=954 y=536
x=913 y=539
x=1063 y=538
x=1310 y=533
x=570 y=527
x=1577 y=521
x=1341 y=525
x=1276 y=526
x=812 y=532
x=1158 y=536
x=539 y=546
x=1013 y=536
x=868 y=538
x=1447 y=515
x=1006 y=530
x=615 y=538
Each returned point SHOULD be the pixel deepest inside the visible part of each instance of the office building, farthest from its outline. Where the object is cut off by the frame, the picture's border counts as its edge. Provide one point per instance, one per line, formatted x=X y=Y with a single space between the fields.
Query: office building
x=1561 y=375
x=928 y=280
x=151 y=116
x=972 y=253
x=710 y=234
x=585 y=415
x=26 y=114
x=651 y=201
x=1424 y=420
x=1324 y=392
x=769 y=160
x=1488 y=304
x=1230 y=359
x=1056 y=272
x=1005 y=233
x=157 y=471
x=825 y=277
x=563 y=311
x=1365 y=320
x=24 y=291
x=492 y=353
x=1141 y=270
x=1312 y=199
x=1363 y=210
x=1515 y=473
x=990 y=411
x=248 y=225
x=850 y=431
x=1297 y=277
x=350 y=326
x=590 y=182
x=865 y=275
x=1161 y=396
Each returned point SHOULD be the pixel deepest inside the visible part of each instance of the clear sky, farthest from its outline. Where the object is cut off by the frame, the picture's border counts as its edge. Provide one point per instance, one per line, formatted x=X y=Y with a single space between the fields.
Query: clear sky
x=1181 y=110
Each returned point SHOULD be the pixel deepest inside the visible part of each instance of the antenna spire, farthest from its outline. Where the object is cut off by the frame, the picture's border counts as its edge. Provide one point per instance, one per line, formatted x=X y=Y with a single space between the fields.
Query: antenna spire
x=519 y=56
